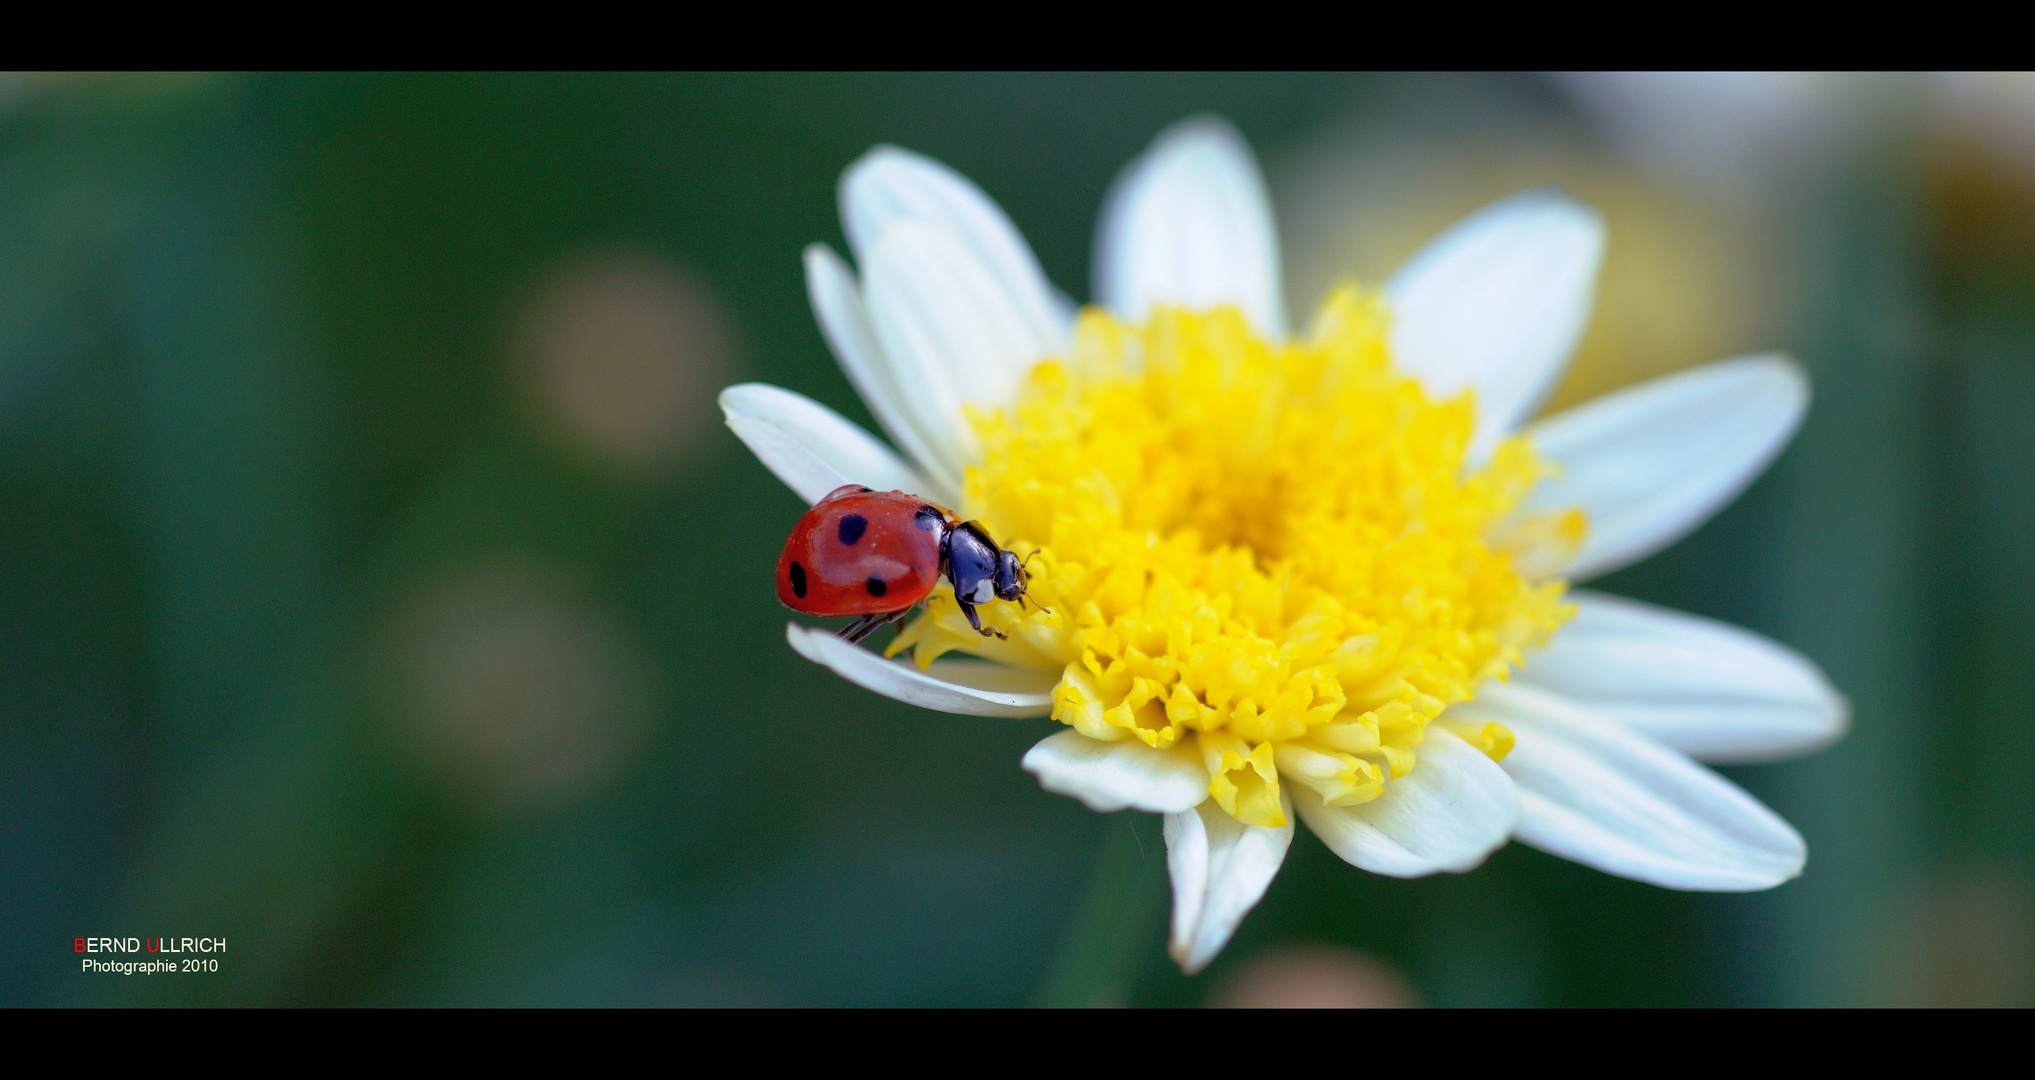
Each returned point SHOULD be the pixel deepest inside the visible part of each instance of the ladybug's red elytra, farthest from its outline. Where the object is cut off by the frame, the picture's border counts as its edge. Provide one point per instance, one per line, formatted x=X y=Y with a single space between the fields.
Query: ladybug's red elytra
x=876 y=554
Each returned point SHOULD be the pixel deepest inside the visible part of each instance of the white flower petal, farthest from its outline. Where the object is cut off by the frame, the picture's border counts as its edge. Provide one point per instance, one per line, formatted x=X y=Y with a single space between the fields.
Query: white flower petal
x=1651 y=462
x=1110 y=776
x=1220 y=869
x=889 y=185
x=1455 y=808
x=951 y=333
x=1189 y=224
x=1709 y=689
x=1497 y=304
x=1601 y=794
x=954 y=686
x=844 y=320
x=810 y=447
x=1187 y=866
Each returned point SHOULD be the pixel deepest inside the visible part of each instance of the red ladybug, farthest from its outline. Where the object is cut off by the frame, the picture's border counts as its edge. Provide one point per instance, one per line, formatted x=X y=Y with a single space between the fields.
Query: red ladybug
x=876 y=554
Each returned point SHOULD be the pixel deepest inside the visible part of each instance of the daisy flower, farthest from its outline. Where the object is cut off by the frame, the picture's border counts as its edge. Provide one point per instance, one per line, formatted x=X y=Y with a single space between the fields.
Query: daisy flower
x=1320 y=576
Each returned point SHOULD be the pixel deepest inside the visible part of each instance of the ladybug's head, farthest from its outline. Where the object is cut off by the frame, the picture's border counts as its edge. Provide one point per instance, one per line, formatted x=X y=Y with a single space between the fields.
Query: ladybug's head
x=1010 y=576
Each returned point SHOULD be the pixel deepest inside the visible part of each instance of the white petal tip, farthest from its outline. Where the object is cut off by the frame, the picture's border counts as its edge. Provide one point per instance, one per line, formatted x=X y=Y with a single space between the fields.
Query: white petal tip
x=1192 y=961
x=1596 y=792
x=1714 y=691
x=889 y=186
x=810 y=447
x=1207 y=130
x=864 y=183
x=1220 y=869
x=1189 y=223
x=1651 y=462
x=1546 y=223
x=1497 y=304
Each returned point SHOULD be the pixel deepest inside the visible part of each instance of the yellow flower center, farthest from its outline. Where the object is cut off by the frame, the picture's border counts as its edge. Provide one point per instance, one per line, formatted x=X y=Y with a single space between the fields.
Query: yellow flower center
x=1270 y=554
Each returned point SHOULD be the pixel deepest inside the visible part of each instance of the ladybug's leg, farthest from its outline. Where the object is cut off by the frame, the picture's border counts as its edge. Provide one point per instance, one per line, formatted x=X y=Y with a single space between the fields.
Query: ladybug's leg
x=975 y=620
x=868 y=624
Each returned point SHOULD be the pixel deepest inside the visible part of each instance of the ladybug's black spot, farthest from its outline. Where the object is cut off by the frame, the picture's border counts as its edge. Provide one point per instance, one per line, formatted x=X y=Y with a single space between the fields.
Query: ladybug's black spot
x=852 y=527
x=876 y=586
x=798 y=581
x=929 y=519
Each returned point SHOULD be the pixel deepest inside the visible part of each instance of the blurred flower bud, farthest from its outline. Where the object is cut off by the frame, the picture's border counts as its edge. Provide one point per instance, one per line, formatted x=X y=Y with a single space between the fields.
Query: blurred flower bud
x=1315 y=977
x=1969 y=942
x=515 y=687
x=1997 y=109
x=623 y=353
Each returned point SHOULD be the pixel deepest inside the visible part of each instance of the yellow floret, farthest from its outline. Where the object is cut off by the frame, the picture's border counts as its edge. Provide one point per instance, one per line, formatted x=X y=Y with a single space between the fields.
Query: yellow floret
x=1272 y=549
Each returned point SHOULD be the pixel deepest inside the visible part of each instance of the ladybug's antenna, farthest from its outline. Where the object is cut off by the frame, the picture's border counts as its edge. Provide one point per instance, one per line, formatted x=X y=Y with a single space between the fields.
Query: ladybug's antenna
x=1024 y=596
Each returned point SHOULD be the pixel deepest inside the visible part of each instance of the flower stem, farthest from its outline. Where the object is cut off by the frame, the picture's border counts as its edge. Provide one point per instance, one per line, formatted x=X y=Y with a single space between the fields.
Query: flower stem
x=1120 y=918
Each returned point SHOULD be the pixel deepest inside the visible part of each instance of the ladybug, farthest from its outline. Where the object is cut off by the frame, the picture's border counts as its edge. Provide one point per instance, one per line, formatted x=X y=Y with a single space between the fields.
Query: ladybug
x=876 y=554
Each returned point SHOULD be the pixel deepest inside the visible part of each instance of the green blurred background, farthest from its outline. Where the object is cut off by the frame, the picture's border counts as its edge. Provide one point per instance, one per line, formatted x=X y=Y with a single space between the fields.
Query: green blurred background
x=380 y=592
